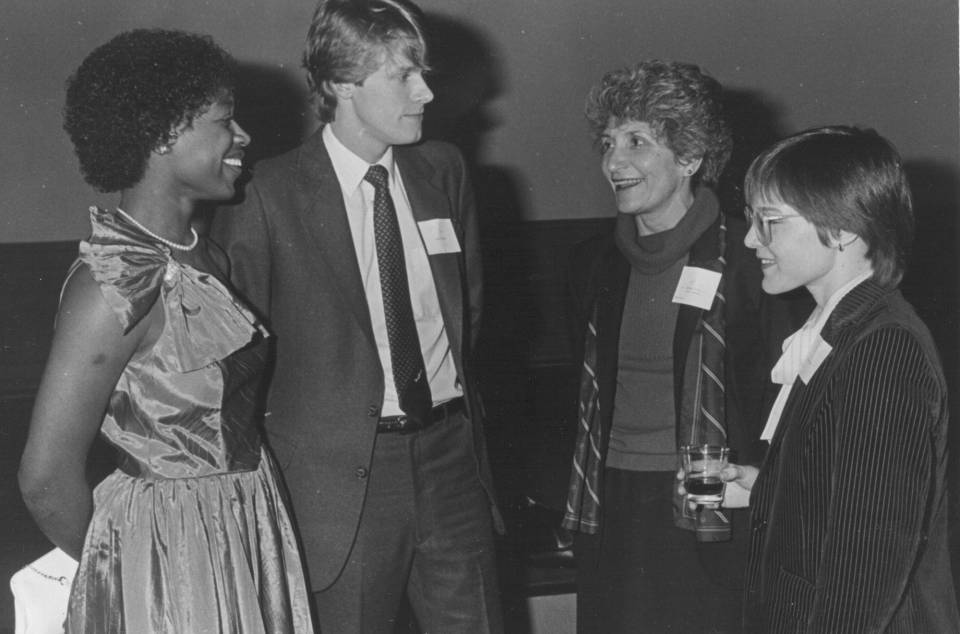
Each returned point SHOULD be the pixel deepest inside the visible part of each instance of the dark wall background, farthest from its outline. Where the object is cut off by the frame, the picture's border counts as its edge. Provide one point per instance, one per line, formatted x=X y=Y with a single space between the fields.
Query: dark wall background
x=524 y=67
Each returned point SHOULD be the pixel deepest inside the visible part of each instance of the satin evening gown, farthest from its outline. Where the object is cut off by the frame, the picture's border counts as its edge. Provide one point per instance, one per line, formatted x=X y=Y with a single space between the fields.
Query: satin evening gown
x=191 y=533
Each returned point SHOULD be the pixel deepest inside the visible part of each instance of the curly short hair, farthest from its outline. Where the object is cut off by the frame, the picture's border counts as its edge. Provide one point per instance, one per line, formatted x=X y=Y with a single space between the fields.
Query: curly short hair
x=682 y=105
x=129 y=96
x=348 y=40
x=842 y=178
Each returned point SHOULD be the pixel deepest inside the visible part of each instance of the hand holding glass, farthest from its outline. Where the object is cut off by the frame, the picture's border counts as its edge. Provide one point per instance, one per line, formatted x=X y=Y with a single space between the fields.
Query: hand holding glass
x=702 y=467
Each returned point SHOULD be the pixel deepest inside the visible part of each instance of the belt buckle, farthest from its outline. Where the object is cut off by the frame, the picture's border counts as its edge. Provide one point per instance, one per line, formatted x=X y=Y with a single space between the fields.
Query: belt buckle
x=405 y=424
x=408 y=425
x=401 y=424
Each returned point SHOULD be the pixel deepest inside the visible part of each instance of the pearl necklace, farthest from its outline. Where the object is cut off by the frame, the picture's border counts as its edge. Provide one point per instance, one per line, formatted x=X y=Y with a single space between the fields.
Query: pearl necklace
x=169 y=243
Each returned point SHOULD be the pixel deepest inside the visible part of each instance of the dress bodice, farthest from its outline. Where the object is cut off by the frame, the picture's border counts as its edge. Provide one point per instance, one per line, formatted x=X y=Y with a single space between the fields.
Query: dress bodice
x=187 y=406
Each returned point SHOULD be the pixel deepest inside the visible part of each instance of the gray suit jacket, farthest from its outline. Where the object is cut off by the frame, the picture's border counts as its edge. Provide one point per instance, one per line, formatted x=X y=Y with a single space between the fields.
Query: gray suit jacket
x=292 y=258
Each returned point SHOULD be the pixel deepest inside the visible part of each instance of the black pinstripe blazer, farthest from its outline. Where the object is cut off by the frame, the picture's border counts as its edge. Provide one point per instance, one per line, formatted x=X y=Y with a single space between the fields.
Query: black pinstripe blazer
x=848 y=520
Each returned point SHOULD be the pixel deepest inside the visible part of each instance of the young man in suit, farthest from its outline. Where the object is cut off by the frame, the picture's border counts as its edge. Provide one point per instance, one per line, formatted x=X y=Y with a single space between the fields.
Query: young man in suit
x=360 y=251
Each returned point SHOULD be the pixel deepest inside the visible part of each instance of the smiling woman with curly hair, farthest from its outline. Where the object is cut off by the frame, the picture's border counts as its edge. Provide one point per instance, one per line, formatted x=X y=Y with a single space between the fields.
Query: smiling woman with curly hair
x=662 y=368
x=127 y=99
x=153 y=352
x=680 y=104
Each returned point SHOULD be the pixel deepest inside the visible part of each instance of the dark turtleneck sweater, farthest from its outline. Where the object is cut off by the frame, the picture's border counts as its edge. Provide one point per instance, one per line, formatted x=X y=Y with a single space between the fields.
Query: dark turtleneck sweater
x=643 y=436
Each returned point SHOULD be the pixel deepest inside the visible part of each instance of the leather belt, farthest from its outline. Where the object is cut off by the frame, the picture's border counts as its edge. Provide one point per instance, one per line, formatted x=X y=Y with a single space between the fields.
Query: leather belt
x=404 y=424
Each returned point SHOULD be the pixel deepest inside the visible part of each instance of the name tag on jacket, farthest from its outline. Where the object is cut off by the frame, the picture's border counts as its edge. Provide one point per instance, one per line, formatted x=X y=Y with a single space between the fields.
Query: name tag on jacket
x=438 y=236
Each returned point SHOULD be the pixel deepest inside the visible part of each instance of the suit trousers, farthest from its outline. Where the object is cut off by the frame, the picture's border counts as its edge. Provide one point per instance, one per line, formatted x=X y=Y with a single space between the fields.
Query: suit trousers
x=425 y=533
x=642 y=574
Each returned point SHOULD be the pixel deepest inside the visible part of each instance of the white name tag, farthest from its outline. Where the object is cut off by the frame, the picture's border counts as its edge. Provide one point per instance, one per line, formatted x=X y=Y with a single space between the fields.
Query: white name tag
x=438 y=236
x=697 y=287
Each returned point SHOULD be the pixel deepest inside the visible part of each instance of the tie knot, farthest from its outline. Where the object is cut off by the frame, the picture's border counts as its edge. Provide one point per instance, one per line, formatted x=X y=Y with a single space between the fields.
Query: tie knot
x=376 y=176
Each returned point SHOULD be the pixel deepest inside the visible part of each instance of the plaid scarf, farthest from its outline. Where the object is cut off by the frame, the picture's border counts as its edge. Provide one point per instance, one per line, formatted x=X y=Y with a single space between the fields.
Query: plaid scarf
x=583 y=499
x=701 y=419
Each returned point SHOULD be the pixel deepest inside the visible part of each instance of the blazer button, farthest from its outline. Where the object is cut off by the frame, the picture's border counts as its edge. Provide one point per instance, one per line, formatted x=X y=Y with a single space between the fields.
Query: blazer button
x=361 y=473
x=373 y=410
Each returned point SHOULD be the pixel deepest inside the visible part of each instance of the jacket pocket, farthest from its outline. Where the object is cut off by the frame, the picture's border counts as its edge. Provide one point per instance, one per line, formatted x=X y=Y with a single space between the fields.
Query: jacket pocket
x=790 y=602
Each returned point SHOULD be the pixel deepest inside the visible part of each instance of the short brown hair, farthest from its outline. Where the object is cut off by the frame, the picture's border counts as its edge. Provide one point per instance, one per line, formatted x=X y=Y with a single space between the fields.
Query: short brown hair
x=348 y=39
x=842 y=178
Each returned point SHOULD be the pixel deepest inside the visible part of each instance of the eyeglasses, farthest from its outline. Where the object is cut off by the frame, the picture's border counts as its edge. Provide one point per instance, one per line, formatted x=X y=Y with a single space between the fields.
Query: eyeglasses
x=763 y=225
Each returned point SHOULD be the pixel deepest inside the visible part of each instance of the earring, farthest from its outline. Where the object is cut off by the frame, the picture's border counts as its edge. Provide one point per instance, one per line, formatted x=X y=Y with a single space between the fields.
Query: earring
x=841 y=245
x=163 y=149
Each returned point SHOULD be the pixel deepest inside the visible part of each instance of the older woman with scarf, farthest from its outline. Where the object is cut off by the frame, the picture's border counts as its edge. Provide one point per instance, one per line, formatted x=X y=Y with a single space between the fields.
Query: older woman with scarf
x=667 y=312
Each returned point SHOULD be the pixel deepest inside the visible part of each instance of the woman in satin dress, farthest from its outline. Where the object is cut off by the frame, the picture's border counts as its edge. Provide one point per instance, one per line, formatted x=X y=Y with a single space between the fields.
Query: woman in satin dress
x=191 y=532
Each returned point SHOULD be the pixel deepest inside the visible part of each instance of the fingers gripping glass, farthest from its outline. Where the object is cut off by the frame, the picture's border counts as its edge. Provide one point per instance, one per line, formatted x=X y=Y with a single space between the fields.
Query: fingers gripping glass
x=763 y=224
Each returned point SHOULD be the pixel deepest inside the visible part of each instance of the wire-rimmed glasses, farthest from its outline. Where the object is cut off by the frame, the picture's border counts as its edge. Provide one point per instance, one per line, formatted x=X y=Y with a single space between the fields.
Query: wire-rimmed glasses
x=763 y=224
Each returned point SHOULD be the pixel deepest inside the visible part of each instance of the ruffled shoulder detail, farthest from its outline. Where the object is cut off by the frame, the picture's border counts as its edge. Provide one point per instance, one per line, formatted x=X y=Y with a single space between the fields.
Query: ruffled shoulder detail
x=204 y=322
x=128 y=267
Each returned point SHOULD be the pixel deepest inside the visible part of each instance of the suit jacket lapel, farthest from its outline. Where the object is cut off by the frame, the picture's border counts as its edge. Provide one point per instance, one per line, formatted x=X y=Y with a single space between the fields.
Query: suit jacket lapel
x=842 y=323
x=610 y=299
x=429 y=201
x=852 y=309
x=324 y=218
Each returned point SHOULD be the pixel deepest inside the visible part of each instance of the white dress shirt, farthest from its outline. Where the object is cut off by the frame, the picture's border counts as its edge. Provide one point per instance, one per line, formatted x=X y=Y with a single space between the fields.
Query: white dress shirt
x=803 y=352
x=358 y=196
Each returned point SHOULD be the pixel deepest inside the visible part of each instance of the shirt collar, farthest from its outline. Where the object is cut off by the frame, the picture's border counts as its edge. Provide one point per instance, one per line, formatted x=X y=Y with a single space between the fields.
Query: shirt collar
x=818 y=320
x=805 y=350
x=350 y=168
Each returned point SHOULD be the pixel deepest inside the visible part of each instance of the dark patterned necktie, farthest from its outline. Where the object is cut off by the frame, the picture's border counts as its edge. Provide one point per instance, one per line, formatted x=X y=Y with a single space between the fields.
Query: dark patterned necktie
x=409 y=373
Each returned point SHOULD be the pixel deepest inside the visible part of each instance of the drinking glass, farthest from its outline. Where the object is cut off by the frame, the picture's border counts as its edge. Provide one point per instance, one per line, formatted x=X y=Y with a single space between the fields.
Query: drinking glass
x=702 y=465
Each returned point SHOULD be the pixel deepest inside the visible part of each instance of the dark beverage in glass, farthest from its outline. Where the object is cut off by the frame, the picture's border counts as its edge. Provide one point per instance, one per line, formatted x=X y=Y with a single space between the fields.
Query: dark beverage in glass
x=702 y=465
x=705 y=489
